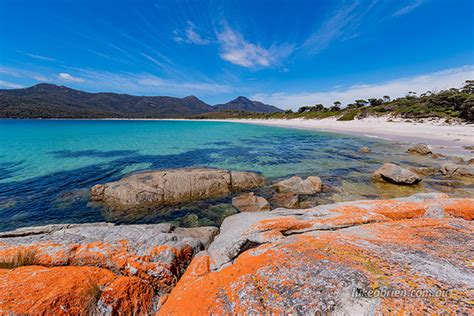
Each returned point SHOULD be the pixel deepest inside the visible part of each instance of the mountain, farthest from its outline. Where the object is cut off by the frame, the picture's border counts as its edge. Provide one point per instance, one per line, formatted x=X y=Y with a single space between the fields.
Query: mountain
x=246 y=105
x=51 y=101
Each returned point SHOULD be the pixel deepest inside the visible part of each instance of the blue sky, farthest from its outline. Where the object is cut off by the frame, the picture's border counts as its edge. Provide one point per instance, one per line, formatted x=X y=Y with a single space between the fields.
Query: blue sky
x=288 y=53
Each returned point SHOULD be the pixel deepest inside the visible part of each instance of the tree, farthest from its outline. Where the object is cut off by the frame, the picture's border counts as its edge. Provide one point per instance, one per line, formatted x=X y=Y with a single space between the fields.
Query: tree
x=290 y=111
x=304 y=109
x=318 y=108
x=336 y=107
x=375 y=101
x=468 y=87
x=386 y=98
x=361 y=103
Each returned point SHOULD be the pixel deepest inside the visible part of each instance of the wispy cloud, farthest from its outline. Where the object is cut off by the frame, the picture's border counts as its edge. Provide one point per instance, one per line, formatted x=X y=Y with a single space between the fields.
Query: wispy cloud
x=408 y=8
x=40 y=57
x=341 y=24
x=64 y=76
x=236 y=50
x=149 y=84
x=10 y=85
x=190 y=35
x=435 y=81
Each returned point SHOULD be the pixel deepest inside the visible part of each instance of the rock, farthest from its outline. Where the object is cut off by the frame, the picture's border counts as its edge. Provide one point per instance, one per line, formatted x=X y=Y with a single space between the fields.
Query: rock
x=138 y=263
x=249 y=202
x=395 y=174
x=297 y=185
x=424 y=171
x=286 y=200
x=364 y=150
x=438 y=156
x=453 y=170
x=171 y=187
x=468 y=147
x=421 y=149
x=325 y=260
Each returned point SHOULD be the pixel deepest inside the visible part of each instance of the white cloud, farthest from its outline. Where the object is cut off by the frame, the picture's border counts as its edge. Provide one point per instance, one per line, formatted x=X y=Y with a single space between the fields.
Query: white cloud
x=68 y=77
x=408 y=8
x=435 y=81
x=236 y=50
x=35 y=56
x=190 y=36
x=145 y=83
x=342 y=24
x=10 y=85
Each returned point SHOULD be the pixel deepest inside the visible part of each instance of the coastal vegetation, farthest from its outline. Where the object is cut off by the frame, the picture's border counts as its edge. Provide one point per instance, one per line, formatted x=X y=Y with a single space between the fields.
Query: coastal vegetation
x=448 y=104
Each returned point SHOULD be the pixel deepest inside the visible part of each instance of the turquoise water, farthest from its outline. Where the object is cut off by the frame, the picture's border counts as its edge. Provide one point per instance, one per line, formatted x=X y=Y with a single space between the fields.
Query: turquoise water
x=47 y=167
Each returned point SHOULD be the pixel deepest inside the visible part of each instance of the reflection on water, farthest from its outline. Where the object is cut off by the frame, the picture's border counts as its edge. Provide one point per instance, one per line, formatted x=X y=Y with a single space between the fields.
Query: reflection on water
x=47 y=167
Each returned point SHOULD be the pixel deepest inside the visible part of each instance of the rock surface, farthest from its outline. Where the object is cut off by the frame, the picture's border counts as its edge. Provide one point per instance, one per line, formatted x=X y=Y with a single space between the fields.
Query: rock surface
x=134 y=265
x=249 y=202
x=454 y=170
x=318 y=260
x=395 y=174
x=420 y=149
x=286 y=200
x=297 y=185
x=175 y=186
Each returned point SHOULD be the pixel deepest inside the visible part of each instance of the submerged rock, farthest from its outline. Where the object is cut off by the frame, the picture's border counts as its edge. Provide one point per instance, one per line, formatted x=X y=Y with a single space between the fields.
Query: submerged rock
x=453 y=170
x=297 y=185
x=249 y=202
x=171 y=187
x=134 y=264
x=420 y=149
x=364 y=150
x=323 y=260
x=395 y=174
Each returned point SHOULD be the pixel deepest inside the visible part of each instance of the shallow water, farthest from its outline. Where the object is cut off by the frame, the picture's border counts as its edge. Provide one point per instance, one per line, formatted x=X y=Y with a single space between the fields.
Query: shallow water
x=47 y=166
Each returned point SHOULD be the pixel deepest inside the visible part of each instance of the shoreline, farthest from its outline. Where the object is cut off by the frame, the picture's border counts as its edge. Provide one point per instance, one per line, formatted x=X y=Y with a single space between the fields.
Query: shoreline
x=444 y=138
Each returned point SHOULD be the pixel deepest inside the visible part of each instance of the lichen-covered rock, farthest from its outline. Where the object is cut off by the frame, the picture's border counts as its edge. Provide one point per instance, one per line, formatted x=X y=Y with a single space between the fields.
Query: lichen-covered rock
x=323 y=260
x=297 y=185
x=171 y=187
x=420 y=149
x=249 y=202
x=154 y=256
x=395 y=174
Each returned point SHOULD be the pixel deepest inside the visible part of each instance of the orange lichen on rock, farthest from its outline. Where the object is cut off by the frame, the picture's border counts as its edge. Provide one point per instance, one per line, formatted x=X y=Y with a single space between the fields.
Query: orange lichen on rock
x=38 y=290
x=313 y=272
x=323 y=260
x=463 y=208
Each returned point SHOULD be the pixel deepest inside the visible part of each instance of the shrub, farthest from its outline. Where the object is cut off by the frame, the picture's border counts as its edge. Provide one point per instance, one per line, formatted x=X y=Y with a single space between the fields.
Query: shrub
x=348 y=116
x=23 y=257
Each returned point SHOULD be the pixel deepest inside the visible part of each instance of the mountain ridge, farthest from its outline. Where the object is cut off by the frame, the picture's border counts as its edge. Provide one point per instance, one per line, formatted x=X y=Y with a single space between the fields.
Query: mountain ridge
x=47 y=100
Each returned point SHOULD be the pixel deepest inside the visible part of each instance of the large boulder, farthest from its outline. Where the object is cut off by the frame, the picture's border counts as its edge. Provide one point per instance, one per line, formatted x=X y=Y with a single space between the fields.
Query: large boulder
x=420 y=149
x=249 y=202
x=297 y=185
x=395 y=174
x=171 y=187
x=336 y=259
x=106 y=268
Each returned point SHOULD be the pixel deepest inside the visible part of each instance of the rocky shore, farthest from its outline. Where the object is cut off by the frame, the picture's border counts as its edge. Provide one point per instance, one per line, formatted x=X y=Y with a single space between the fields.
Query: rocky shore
x=281 y=252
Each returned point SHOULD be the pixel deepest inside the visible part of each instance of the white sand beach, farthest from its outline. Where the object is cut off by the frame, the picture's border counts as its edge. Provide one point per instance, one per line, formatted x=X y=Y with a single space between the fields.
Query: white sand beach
x=446 y=138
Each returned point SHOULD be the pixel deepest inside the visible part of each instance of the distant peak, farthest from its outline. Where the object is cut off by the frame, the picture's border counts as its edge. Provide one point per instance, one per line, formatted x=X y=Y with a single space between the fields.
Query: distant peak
x=242 y=98
x=191 y=97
